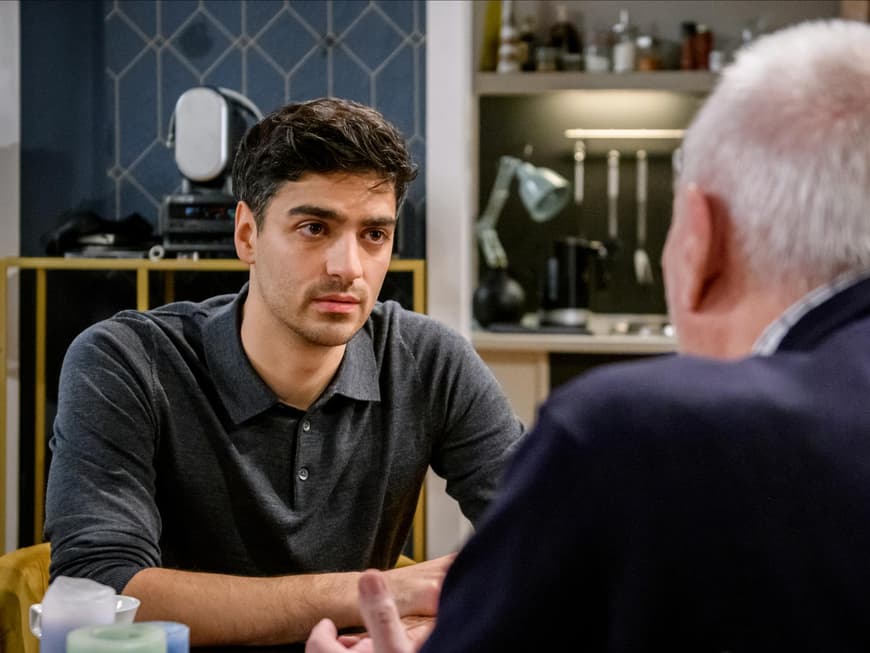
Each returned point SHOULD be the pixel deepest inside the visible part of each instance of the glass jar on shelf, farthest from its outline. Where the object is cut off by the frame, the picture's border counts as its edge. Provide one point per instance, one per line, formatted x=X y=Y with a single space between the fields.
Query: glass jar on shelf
x=623 y=44
x=648 y=53
x=546 y=58
x=597 y=53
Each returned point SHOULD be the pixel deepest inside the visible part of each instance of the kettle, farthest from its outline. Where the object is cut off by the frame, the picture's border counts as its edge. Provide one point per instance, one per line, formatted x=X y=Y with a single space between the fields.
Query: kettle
x=575 y=267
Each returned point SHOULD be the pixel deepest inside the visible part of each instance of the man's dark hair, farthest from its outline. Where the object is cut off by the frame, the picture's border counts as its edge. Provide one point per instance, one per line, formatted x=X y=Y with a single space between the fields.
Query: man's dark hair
x=320 y=136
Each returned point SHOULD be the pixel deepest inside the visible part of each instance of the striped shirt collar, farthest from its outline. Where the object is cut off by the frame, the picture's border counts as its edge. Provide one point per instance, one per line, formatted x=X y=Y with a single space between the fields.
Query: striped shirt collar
x=770 y=339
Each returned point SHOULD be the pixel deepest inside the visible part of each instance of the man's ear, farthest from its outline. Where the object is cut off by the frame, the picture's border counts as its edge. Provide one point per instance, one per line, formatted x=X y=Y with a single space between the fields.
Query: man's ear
x=703 y=251
x=245 y=235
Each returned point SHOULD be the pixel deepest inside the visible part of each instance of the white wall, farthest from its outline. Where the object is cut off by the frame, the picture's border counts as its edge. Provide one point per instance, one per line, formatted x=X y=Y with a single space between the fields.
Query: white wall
x=450 y=177
x=10 y=147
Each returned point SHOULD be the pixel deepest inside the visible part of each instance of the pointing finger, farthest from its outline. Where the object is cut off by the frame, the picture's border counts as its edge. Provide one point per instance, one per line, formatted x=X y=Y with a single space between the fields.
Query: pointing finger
x=381 y=616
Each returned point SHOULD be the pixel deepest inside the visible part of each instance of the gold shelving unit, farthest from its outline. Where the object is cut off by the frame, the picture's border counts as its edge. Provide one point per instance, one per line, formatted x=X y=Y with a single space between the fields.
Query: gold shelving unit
x=142 y=267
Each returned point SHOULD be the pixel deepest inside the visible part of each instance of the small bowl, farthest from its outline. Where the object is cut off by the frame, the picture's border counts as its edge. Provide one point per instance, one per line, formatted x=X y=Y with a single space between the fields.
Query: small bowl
x=125 y=613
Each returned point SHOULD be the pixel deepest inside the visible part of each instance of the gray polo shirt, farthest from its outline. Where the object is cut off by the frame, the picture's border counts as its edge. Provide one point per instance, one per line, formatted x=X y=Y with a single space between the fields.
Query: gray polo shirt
x=169 y=450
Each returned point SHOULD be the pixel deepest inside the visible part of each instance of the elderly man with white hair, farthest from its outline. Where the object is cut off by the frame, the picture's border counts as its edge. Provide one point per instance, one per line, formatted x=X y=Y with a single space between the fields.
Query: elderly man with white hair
x=717 y=499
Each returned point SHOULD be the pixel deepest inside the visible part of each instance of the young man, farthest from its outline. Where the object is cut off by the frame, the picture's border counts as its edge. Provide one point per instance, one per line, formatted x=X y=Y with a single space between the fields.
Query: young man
x=717 y=500
x=235 y=463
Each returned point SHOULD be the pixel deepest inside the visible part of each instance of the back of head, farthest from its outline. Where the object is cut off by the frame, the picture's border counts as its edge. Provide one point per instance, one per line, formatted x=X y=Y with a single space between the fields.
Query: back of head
x=784 y=143
x=326 y=135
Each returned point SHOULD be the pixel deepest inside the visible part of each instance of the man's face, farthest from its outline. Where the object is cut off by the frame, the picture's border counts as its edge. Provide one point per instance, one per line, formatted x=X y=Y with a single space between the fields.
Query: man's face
x=322 y=253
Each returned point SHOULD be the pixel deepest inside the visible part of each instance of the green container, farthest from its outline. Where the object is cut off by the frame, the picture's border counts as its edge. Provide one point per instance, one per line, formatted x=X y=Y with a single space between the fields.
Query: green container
x=117 y=638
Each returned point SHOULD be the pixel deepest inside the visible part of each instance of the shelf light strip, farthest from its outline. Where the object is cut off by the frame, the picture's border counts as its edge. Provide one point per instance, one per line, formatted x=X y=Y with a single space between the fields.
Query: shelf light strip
x=624 y=133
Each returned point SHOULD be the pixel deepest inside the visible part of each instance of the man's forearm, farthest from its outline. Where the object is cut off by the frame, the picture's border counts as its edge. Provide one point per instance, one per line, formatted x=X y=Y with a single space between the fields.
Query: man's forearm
x=223 y=609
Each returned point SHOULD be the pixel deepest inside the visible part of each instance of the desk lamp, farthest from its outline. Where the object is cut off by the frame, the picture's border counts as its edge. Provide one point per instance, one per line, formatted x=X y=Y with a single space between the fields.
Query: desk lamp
x=544 y=193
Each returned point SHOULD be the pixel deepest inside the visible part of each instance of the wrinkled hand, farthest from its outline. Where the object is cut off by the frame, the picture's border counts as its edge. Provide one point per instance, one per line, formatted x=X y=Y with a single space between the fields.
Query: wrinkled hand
x=380 y=615
x=417 y=629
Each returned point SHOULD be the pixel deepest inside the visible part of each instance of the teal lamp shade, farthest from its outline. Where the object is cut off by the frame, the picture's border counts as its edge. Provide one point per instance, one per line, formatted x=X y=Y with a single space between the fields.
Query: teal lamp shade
x=117 y=638
x=544 y=193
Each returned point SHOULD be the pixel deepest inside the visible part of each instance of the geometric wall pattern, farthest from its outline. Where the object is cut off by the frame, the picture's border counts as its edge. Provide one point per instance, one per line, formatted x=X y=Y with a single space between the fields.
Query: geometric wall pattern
x=272 y=52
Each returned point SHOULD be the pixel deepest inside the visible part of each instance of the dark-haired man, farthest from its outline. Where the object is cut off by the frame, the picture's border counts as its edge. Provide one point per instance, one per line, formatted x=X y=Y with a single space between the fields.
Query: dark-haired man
x=236 y=462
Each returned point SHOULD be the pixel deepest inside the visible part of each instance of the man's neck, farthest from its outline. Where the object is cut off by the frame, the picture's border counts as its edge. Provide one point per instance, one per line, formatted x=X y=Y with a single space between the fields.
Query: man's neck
x=301 y=377
x=733 y=319
x=296 y=371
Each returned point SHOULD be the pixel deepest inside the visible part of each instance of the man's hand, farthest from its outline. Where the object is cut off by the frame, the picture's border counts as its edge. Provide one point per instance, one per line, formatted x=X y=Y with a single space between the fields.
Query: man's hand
x=381 y=617
x=415 y=589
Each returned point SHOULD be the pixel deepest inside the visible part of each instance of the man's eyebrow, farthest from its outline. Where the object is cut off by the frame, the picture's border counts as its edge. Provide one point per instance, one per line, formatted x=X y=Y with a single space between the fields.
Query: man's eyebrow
x=315 y=212
x=324 y=213
x=380 y=222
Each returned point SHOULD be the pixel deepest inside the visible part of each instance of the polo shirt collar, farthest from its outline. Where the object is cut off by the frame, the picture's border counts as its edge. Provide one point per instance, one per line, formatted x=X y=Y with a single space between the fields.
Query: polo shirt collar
x=357 y=375
x=778 y=331
x=244 y=393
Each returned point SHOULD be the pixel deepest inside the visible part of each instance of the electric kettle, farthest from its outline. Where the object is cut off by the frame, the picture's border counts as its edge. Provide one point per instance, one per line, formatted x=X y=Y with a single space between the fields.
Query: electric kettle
x=574 y=269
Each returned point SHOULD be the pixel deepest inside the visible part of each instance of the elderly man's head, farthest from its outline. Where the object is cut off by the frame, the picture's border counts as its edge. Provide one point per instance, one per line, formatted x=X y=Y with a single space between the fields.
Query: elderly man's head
x=773 y=192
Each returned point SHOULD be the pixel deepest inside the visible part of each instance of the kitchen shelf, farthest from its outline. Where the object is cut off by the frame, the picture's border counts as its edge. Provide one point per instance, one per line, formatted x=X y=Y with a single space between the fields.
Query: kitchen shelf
x=529 y=83
x=485 y=341
x=521 y=361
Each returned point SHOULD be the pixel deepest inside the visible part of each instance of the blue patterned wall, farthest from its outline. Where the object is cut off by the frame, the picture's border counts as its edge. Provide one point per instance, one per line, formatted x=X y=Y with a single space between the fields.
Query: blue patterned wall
x=272 y=52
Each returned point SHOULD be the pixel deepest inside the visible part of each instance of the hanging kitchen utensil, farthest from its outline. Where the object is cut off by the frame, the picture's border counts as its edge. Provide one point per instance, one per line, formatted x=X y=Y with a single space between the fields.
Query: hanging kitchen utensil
x=642 y=266
x=579 y=158
x=676 y=164
x=612 y=201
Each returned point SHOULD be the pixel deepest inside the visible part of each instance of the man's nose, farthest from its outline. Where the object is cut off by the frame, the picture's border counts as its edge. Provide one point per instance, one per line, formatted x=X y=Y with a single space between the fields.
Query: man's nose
x=343 y=259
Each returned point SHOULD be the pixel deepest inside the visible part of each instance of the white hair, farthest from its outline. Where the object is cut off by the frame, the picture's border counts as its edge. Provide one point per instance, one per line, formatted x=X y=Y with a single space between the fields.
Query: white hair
x=784 y=143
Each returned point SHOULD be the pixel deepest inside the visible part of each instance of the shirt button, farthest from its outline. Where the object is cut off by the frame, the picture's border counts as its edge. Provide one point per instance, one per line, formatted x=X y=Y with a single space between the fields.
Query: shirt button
x=306 y=426
x=303 y=474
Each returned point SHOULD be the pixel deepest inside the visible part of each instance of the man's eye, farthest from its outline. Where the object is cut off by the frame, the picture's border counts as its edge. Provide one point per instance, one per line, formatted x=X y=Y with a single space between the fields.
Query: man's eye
x=313 y=228
x=377 y=235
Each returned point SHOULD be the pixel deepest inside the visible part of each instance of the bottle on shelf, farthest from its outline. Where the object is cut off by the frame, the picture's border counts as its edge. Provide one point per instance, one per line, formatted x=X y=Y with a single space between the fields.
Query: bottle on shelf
x=648 y=53
x=717 y=61
x=528 y=42
x=566 y=39
x=703 y=44
x=687 y=47
x=623 y=44
x=509 y=36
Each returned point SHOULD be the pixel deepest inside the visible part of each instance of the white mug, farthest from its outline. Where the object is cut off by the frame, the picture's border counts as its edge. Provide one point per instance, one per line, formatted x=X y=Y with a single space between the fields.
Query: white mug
x=125 y=613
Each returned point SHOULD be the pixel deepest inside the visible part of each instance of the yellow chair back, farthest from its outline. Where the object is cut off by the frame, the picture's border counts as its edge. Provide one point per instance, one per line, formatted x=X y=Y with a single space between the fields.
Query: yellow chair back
x=23 y=581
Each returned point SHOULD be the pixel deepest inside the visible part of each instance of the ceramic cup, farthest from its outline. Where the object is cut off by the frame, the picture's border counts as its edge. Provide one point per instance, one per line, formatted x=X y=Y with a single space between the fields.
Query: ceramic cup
x=125 y=613
x=69 y=603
